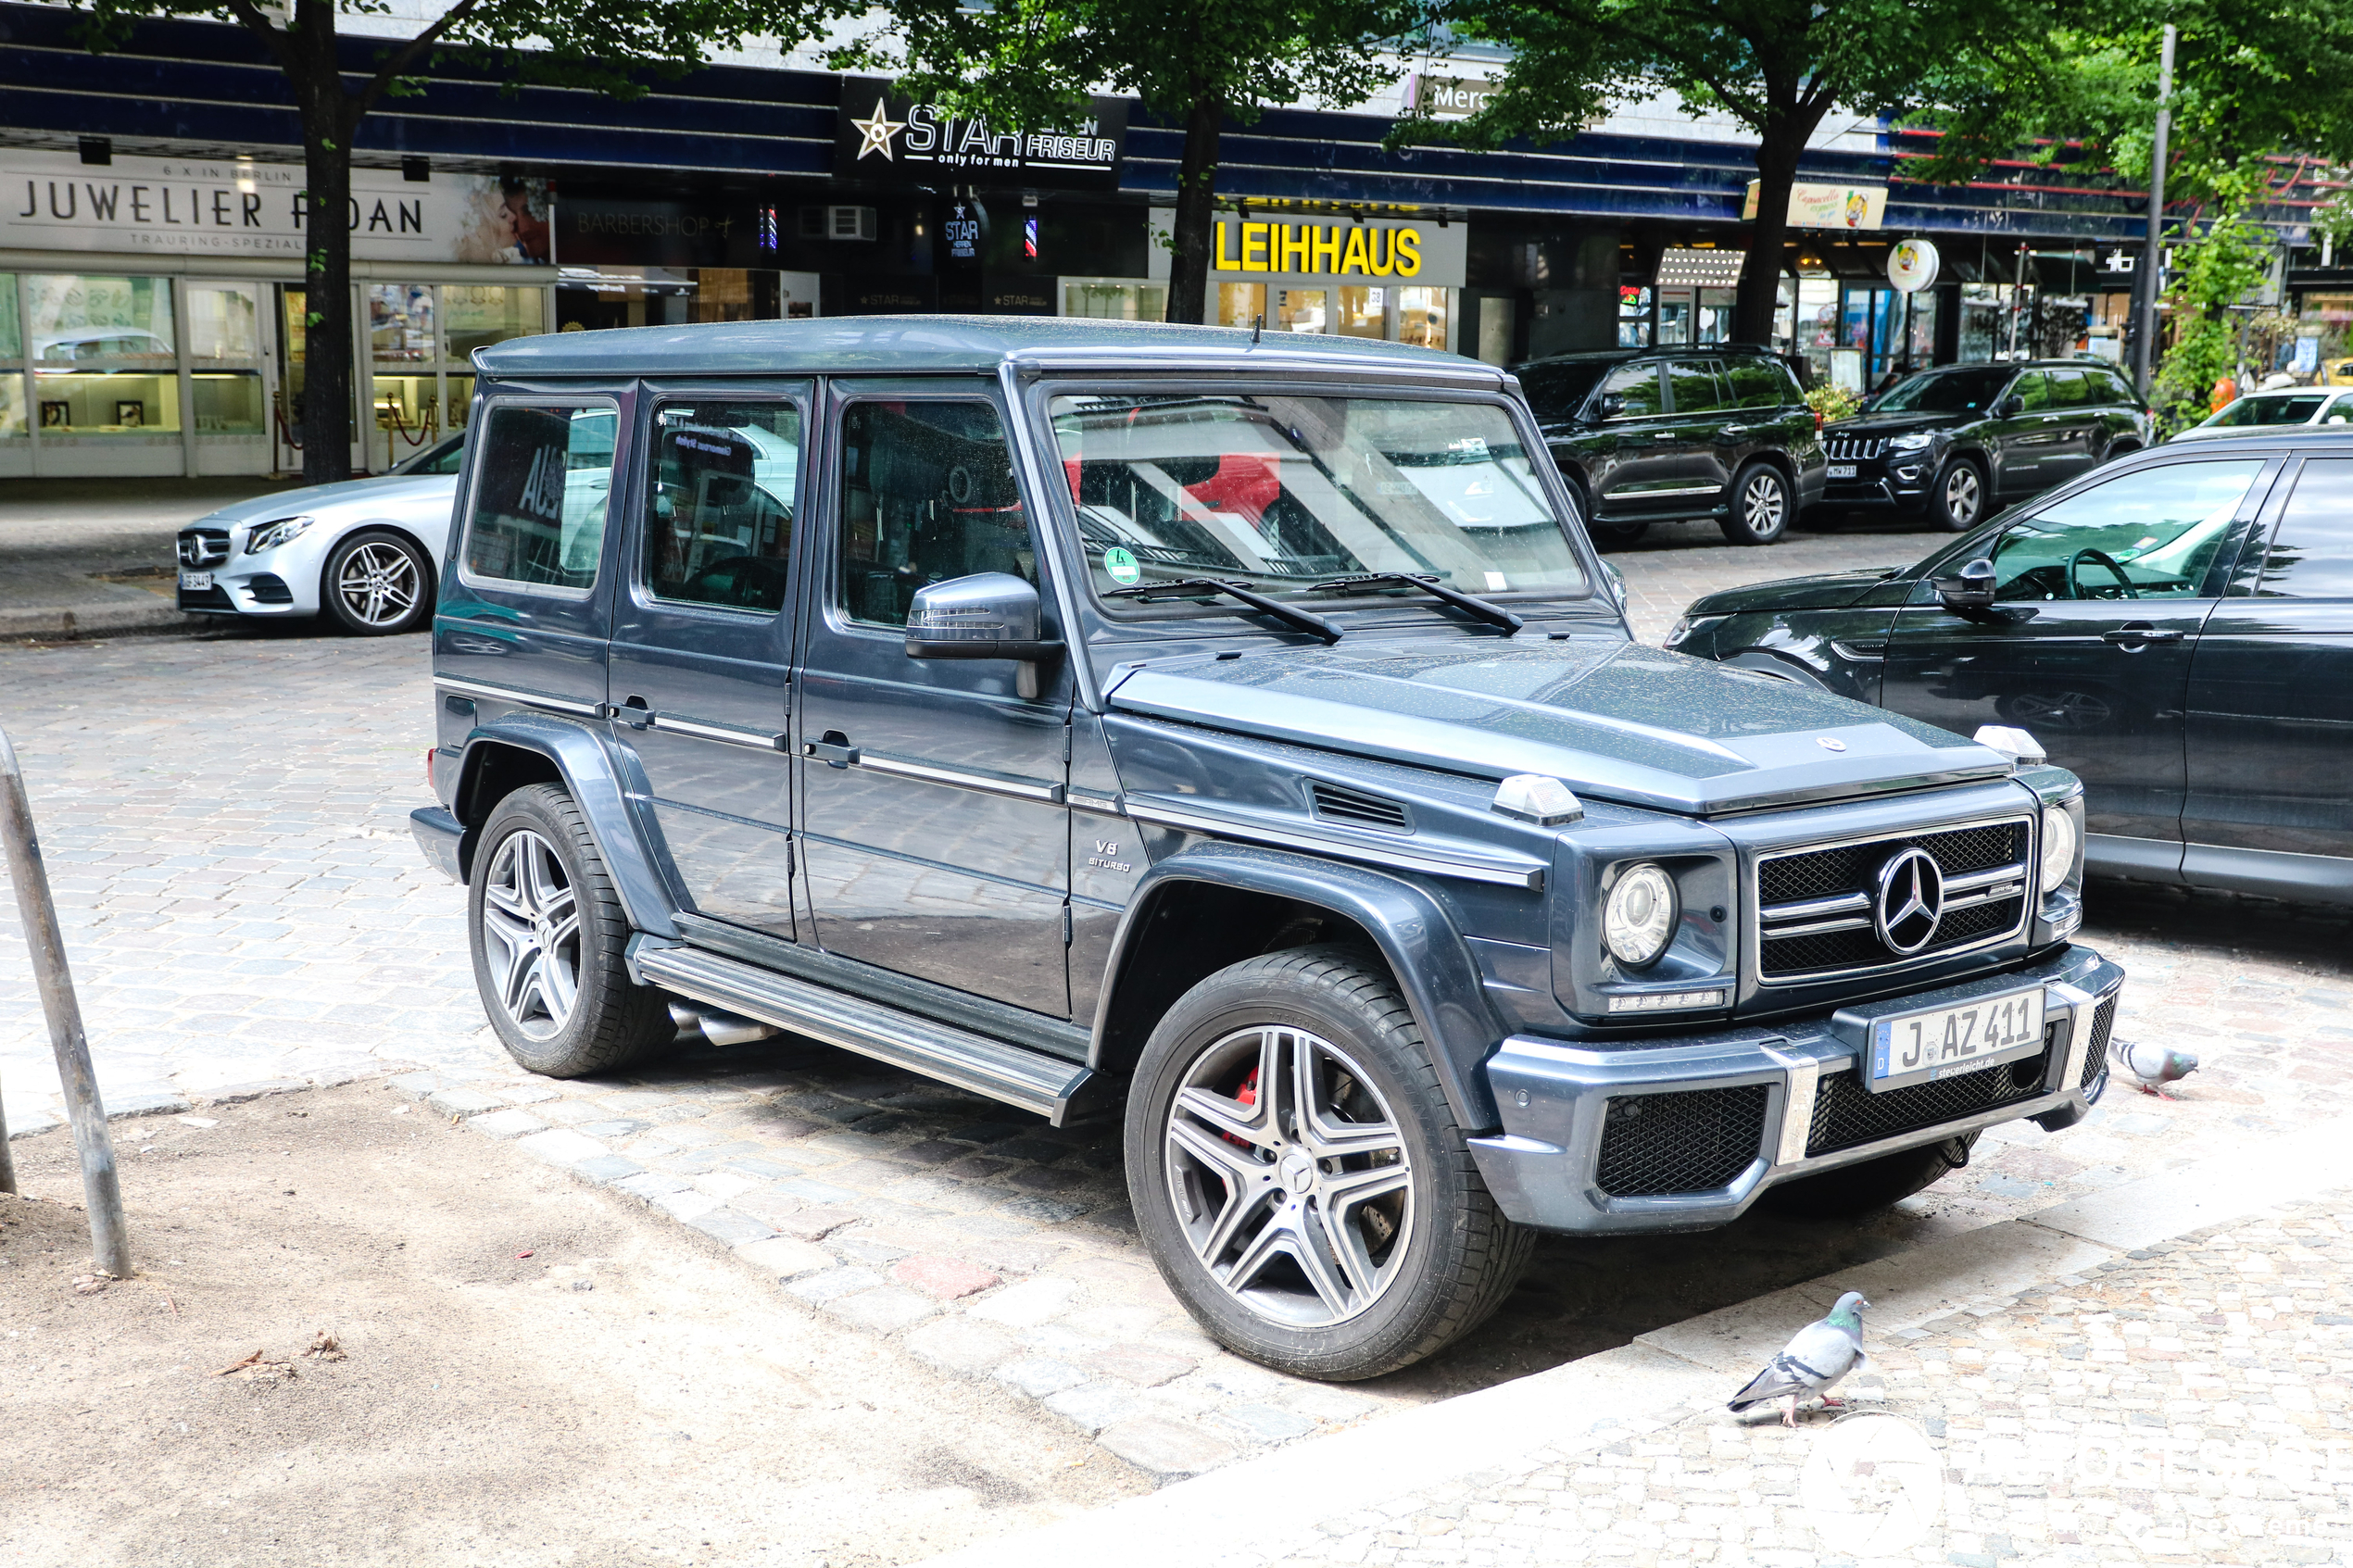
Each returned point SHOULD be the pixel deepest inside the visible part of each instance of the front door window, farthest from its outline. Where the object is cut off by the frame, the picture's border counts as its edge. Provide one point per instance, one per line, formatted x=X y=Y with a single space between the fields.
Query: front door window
x=2146 y=536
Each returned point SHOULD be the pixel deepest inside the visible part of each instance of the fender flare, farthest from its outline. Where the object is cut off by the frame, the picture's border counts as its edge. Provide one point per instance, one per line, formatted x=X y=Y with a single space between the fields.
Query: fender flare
x=593 y=772
x=1426 y=954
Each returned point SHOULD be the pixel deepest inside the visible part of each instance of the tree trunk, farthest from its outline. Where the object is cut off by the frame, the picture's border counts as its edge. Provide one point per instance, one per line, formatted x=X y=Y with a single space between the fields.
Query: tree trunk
x=1195 y=206
x=1776 y=153
x=327 y=370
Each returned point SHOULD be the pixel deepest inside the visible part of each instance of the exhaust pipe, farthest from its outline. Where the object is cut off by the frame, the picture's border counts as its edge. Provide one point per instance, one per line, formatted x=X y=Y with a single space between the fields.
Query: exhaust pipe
x=718 y=1027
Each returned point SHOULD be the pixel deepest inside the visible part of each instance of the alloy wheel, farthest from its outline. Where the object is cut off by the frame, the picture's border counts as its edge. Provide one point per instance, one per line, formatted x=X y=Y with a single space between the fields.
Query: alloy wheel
x=1764 y=504
x=531 y=931
x=378 y=583
x=1290 y=1176
x=1963 y=492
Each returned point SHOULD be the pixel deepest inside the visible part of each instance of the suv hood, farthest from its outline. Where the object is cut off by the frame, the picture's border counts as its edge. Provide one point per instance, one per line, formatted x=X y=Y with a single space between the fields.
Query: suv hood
x=1832 y=590
x=388 y=489
x=1898 y=424
x=1616 y=722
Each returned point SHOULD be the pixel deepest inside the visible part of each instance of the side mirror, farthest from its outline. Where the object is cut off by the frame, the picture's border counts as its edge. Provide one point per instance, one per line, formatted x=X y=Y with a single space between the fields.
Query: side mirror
x=1968 y=590
x=1614 y=582
x=1609 y=406
x=988 y=615
x=2009 y=407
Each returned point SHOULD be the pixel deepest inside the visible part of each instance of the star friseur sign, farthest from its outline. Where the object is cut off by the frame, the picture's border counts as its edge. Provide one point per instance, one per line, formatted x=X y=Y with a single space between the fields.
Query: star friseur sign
x=883 y=136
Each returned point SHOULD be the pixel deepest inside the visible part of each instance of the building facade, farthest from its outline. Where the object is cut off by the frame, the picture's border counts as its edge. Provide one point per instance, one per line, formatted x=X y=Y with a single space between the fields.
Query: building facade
x=152 y=312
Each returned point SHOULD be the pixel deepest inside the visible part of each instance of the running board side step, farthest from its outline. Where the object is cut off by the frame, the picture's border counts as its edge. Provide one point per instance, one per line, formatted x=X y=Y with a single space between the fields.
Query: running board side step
x=1048 y=1086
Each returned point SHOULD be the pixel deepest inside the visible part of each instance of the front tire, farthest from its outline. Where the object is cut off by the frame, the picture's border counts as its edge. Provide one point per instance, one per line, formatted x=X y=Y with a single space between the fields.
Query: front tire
x=1300 y=1178
x=1762 y=507
x=1958 y=502
x=376 y=583
x=547 y=935
x=1853 y=1191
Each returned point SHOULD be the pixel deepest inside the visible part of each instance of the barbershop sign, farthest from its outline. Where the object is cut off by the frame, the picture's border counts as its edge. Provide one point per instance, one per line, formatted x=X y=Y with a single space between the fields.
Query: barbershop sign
x=238 y=207
x=880 y=135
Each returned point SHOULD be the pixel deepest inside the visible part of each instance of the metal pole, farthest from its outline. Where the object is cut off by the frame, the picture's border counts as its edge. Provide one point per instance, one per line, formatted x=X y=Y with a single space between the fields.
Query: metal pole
x=7 y=1160
x=100 y=1189
x=2144 y=345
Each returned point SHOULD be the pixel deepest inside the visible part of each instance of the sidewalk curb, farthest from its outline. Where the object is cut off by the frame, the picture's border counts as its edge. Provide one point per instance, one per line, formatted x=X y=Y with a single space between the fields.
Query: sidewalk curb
x=1662 y=1376
x=95 y=620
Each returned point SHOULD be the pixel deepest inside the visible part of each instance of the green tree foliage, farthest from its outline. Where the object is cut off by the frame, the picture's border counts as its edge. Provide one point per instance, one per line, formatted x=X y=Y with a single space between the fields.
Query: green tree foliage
x=1194 y=63
x=1781 y=68
x=2212 y=272
x=608 y=45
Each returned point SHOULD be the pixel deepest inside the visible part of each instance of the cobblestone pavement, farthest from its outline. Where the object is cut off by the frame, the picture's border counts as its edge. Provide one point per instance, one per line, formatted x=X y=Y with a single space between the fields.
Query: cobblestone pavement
x=225 y=822
x=2192 y=1404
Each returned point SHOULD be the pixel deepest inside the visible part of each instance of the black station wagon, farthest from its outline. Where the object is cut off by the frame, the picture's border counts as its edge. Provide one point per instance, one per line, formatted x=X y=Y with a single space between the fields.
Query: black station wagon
x=1083 y=713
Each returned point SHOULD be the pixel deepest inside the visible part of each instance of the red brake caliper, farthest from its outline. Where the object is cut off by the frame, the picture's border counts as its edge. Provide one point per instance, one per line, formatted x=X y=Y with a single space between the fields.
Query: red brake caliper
x=1248 y=1095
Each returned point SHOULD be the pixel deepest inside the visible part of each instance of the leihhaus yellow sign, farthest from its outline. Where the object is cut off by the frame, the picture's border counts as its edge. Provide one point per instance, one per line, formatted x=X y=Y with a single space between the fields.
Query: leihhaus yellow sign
x=1335 y=250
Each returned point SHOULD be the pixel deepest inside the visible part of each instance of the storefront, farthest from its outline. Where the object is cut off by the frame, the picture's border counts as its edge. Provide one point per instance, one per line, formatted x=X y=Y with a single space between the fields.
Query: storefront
x=1290 y=268
x=153 y=318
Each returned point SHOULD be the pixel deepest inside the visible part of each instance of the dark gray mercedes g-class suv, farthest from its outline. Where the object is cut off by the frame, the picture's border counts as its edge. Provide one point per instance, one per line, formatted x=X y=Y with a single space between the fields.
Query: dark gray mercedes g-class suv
x=1071 y=711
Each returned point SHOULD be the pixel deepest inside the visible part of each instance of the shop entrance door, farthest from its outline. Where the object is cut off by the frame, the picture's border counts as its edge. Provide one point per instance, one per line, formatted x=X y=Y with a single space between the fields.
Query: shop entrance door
x=287 y=437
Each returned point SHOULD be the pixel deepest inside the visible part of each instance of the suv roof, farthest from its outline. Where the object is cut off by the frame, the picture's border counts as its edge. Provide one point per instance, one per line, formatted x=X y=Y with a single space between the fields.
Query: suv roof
x=904 y=343
x=1620 y=355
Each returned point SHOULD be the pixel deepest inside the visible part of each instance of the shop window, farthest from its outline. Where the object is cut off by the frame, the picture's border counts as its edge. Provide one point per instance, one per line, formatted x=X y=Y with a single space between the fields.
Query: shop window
x=1421 y=317
x=106 y=403
x=476 y=316
x=1364 y=312
x=1300 y=311
x=1241 y=305
x=401 y=320
x=1116 y=302
x=928 y=495
x=225 y=324
x=227 y=402
x=99 y=321
x=719 y=523
x=540 y=503
x=12 y=423
x=11 y=328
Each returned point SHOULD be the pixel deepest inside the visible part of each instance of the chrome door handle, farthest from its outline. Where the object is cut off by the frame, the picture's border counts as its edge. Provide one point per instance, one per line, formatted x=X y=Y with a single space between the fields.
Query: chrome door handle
x=2134 y=636
x=834 y=751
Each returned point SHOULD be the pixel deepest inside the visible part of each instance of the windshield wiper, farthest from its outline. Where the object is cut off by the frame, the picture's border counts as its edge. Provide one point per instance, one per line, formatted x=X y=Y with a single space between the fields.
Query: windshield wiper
x=1469 y=604
x=1187 y=587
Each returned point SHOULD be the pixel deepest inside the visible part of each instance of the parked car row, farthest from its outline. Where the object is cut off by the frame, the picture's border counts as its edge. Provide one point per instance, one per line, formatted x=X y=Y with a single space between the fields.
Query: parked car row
x=1724 y=433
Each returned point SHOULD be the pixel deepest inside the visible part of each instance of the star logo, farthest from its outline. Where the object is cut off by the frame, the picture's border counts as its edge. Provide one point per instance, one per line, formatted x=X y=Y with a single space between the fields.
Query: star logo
x=878 y=130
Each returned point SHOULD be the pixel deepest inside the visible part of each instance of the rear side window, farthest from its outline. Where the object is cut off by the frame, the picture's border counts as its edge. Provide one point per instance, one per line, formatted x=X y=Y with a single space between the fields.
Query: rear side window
x=2109 y=387
x=1762 y=383
x=2311 y=553
x=719 y=521
x=2069 y=390
x=928 y=495
x=1636 y=388
x=1695 y=386
x=543 y=484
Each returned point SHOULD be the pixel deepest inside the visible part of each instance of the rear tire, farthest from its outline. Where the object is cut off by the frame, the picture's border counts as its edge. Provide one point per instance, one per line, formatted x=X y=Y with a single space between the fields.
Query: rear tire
x=1874 y=1184
x=1762 y=507
x=1300 y=1178
x=547 y=935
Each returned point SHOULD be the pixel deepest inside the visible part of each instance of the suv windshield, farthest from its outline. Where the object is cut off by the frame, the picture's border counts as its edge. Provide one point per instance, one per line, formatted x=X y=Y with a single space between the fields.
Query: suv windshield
x=1556 y=392
x=1282 y=493
x=1946 y=392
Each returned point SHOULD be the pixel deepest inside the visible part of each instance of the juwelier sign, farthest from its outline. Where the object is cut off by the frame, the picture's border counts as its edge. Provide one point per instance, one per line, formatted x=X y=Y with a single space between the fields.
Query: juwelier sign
x=1399 y=250
x=232 y=206
x=882 y=136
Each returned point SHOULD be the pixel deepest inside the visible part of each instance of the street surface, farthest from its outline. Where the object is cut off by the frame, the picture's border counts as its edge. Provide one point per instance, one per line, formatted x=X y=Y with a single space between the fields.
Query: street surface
x=225 y=824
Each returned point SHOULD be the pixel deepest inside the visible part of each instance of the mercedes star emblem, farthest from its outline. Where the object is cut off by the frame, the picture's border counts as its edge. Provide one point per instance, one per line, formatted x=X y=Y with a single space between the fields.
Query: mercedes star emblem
x=1911 y=901
x=1829 y=742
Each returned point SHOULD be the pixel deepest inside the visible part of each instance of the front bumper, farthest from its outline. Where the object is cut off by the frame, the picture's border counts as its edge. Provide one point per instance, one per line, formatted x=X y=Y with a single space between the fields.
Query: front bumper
x=1752 y=1107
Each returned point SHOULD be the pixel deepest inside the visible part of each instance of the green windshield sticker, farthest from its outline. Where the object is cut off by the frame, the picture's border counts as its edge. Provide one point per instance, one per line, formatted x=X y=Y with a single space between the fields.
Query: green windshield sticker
x=1121 y=564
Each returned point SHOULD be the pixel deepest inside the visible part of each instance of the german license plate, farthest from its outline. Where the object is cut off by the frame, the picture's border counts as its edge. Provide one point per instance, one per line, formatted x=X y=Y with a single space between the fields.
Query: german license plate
x=1841 y=471
x=195 y=582
x=1917 y=1048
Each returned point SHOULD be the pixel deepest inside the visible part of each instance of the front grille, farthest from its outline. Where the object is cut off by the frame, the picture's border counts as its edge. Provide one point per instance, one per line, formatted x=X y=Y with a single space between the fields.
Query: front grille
x=1846 y=1114
x=1688 y=1140
x=2096 y=1055
x=1854 y=448
x=1334 y=804
x=1839 y=933
x=201 y=547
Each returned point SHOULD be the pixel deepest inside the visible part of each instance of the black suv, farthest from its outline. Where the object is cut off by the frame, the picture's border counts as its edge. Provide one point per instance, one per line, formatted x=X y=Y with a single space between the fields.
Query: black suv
x=1956 y=443
x=1721 y=432
x=1089 y=714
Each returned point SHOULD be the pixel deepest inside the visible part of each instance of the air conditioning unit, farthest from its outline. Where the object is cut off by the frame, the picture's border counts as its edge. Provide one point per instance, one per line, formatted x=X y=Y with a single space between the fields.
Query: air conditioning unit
x=838 y=223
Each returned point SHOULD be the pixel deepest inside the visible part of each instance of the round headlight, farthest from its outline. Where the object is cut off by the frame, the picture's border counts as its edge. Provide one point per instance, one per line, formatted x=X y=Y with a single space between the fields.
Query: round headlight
x=2059 y=845
x=1639 y=918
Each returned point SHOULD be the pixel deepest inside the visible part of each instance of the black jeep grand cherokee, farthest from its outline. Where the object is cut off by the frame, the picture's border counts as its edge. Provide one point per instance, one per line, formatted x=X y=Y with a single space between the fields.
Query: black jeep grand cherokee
x=1721 y=432
x=1957 y=442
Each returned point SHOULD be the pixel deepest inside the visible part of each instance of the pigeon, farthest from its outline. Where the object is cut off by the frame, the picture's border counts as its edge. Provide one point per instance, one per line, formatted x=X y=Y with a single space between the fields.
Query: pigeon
x=2151 y=1067
x=1812 y=1363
